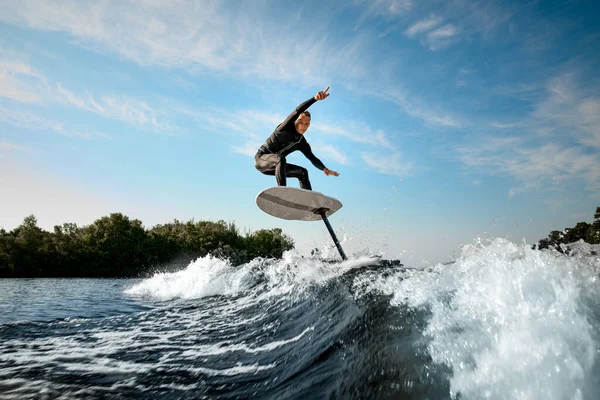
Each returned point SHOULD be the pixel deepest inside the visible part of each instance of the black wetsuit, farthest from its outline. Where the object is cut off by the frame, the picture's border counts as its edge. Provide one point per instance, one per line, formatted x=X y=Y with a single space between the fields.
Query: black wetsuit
x=270 y=158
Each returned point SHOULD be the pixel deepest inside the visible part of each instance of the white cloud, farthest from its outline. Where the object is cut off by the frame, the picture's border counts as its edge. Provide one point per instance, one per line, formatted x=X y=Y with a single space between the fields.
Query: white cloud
x=255 y=126
x=444 y=32
x=26 y=120
x=441 y=37
x=383 y=8
x=421 y=26
x=195 y=35
x=120 y=108
x=572 y=109
x=549 y=166
x=468 y=19
x=331 y=152
x=391 y=164
x=209 y=36
x=558 y=144
x=12 y=89
x=356 y=132
x=502 y=125
x=16 y=81
x=412 y=107
x=248 y=149
x=396 y=6
x=19 y=68
x=19 y=81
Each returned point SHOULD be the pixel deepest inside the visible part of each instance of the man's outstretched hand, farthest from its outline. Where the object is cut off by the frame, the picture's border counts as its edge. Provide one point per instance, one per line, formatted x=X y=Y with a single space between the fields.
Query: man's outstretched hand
x=322 y=95
x=330 y=172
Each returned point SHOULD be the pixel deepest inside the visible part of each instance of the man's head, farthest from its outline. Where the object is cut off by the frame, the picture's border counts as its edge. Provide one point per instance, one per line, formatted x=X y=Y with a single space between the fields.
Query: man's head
x=302 y=122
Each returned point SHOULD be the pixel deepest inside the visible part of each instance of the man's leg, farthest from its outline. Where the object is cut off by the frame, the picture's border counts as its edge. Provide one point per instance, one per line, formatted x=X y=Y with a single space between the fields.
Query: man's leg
x=295 y=171
x=272 y=164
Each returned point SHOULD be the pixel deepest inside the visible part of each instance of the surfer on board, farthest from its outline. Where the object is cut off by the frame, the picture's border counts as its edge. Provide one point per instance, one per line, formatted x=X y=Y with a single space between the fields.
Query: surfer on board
x=287 y=138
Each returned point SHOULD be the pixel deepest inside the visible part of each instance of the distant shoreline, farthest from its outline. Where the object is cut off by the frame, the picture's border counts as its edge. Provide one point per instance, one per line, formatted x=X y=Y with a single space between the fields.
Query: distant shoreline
x=118 y=247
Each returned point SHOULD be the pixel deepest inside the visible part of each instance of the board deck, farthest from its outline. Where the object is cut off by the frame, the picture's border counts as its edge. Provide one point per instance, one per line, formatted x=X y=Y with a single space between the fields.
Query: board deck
x=296 y=204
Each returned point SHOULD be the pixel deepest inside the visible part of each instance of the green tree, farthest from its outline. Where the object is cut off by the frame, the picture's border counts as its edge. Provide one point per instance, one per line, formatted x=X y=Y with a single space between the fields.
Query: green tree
x=593 y=234
x=590 y=233
x=580 y=231
x=30 y=251
x=115 y=244
x=70 y=255
x=6 y=263
x=268 y=243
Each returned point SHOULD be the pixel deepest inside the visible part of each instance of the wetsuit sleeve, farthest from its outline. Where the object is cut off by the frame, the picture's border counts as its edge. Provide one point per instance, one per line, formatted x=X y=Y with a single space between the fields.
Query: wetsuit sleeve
x=286 y=124
x=306 y=150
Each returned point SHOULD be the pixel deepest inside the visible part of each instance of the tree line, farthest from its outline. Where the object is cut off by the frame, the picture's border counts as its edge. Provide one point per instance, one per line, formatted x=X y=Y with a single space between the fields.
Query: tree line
x=116 y=246
x=590 y=233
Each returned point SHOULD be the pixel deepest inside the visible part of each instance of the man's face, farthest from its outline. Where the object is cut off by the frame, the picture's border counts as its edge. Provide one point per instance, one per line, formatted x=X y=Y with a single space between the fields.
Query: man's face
x=302 y=124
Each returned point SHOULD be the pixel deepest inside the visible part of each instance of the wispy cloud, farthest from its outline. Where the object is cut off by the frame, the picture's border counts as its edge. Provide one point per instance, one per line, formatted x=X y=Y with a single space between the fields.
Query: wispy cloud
x=121 y=108
x=558 y=143
x=427 y=113
x=11 y=88
x=16 y=81
x=509 y=125
x=240 y=123
x=442 y=36
x=248 y=149
x=253 y=127
x=391 y=164
x=549 y=166
x=185 y=34
x=19 y=68
x=21 y=82
x=383 y=8
x=334 y=154
x=208 y=36
x=30 y=121
x=422 y=26
x=356 y=132
x=467 y=19
x=26 y=120
x=571 y=108
x=434 y=39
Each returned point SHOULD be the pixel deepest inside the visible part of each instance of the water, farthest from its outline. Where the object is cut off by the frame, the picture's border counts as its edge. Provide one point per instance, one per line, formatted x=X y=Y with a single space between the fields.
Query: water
x=503 y=321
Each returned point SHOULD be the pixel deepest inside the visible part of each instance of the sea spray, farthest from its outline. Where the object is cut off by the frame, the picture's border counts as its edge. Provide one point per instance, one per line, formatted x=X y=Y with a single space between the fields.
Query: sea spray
x=209 y=276
x=510 y=321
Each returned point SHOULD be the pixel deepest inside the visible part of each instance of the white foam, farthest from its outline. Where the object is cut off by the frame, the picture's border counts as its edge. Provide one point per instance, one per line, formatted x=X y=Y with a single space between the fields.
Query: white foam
x=510 y=321
x=237 y=370
x=210 y=276
x=227 y=347
x=206 y=276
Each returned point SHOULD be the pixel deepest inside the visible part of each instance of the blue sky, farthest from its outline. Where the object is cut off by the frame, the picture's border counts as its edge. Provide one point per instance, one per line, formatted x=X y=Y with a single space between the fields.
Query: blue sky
x=447 y=120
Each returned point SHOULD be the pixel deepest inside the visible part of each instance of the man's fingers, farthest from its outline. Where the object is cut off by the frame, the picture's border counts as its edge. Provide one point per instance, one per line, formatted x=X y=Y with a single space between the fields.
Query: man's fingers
x=322 y=94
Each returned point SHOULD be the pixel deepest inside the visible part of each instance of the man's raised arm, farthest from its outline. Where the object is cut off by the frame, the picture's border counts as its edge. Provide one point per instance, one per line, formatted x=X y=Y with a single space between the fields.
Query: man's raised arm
x=322 y=95
x=294 y=115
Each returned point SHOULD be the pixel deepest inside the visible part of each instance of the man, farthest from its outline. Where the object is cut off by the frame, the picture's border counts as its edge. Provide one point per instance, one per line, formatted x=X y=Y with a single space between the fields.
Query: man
x=287 y=138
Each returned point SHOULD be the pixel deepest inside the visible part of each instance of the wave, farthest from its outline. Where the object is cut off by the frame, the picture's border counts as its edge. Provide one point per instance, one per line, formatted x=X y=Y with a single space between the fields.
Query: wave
x=501 y=321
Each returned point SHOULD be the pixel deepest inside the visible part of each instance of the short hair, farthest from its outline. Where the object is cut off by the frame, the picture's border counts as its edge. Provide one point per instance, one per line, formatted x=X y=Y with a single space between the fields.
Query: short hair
x=305 y=113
